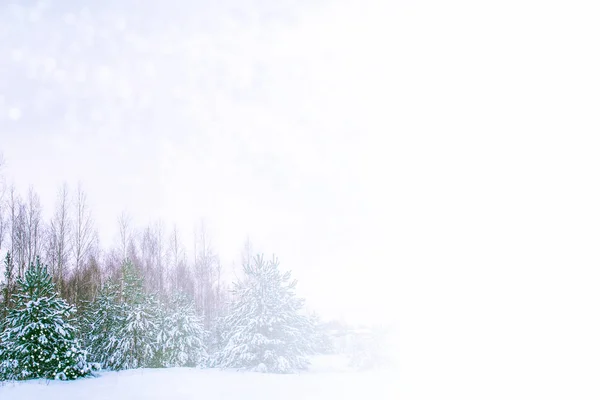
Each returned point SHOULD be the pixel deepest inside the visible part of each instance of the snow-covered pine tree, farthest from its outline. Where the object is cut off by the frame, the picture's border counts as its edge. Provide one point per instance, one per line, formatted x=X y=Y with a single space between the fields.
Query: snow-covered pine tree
x=217 y=339
x=266 y=331
x=162 y=331
x=6 y=288
x=180 y=335
x=39 y=340
x=102 y=318
x=132 y=342
x=5 y=293
x=217 y=335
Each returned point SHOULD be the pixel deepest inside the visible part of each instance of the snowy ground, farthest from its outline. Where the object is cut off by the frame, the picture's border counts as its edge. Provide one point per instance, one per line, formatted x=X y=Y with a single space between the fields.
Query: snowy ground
x=328 y=378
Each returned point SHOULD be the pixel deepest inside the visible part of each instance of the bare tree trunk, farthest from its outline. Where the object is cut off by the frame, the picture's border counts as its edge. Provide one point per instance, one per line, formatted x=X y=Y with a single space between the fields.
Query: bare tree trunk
x=160 y=259
x=58 y=239
x=198 y=284
x=147 y=250
x=3 y=206
x=124 y=233
x=205 y=262
x=175 y=258
x=83 y=235
x=17 y=230
x=33 y=225
x=3 y=221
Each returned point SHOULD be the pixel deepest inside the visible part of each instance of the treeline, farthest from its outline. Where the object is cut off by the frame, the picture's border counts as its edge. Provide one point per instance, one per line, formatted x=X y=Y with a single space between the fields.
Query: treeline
x=68 y=243
x=69 y=307
x=126 y=327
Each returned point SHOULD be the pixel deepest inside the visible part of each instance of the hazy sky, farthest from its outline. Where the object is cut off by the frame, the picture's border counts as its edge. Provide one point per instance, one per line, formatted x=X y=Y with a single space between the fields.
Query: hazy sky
x=443 y=155
x=261 y=118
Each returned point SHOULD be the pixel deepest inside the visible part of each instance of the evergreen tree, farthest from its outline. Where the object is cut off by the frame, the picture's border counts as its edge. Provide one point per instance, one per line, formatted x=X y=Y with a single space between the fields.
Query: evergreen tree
x=162 y=331
x=180 y=335
x=266 y=331
x=39 y=340
x=132 y=340
x=217 y=338
x=102 y=318
x=6 y=288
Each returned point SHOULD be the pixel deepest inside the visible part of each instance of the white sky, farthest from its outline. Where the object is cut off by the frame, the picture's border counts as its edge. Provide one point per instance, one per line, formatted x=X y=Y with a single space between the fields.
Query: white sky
x=254 y=121
x=444 y=155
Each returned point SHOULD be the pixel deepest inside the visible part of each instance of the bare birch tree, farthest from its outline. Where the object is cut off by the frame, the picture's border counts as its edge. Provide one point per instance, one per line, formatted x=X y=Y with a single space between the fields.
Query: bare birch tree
x=33 y=226
x=83 y=229
x=83 y=234
x=59 y=235
x=4 y=221
x=18 y=243
x=206 y=274
x=175 y=258
x=124 y=233
x=160 y=257
x=150 y=257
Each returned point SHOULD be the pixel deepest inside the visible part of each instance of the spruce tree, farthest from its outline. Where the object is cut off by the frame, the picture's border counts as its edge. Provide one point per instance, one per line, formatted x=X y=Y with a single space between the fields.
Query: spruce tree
x=188 y=335
x=162 y=331
x=132 y=342
x=266 y=331
x=180 y=335
x=6 y=288
x=39 y=339
x=217 y=338
x=102 y=318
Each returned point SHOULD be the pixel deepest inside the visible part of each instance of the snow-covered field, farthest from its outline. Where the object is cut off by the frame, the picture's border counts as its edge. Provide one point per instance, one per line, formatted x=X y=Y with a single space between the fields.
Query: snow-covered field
x=328 y=378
